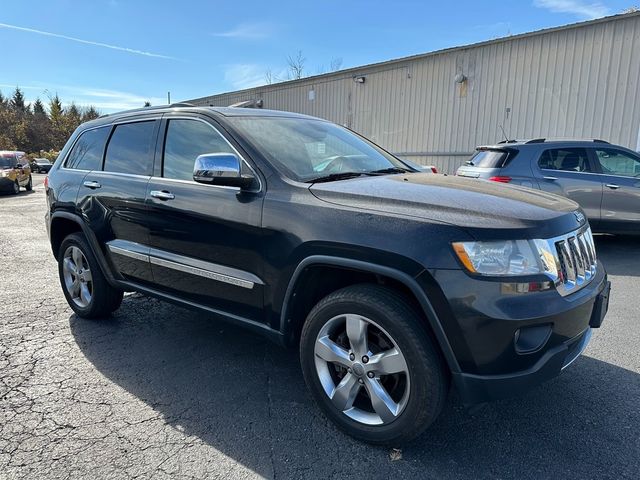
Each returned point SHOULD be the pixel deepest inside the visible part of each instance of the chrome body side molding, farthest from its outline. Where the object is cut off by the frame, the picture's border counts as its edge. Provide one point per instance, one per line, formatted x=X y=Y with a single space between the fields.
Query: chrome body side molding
x=191 y=266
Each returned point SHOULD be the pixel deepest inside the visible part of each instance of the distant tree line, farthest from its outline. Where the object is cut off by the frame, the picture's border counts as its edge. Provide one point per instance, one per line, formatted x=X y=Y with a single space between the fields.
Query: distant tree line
x=38 y=129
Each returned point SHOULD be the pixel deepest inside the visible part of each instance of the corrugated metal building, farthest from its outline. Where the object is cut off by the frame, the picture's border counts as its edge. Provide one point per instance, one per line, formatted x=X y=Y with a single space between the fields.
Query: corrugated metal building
x=578 y=81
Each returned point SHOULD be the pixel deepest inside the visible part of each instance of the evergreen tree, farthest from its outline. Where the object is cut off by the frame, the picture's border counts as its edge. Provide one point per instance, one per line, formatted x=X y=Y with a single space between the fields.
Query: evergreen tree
x=89 y=113
x=35 y=127
x=38 y=108
x=17 y=101
x=57 y=119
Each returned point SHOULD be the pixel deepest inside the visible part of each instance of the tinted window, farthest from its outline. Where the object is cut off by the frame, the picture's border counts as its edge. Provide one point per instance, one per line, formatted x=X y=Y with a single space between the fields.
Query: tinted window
x=616 y=162
x=130 y=149
x=87 y=151
x=489 y=159
x=185 y=141
x=567 y=159
x=7 y=160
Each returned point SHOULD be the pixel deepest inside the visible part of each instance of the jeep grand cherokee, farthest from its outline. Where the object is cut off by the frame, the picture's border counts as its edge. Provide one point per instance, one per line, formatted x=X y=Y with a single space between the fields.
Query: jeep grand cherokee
x=393 y=283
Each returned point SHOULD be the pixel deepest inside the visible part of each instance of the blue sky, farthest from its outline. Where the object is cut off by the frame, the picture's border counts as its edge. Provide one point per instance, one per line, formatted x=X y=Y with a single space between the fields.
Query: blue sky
x=115 y=54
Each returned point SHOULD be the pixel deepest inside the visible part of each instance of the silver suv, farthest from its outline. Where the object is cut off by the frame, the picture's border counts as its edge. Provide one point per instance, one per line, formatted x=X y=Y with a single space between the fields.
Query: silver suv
x=603 y=178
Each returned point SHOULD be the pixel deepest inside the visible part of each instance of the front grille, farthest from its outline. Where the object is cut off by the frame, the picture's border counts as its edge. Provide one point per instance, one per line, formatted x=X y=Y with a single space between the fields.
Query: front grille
x=576 y=256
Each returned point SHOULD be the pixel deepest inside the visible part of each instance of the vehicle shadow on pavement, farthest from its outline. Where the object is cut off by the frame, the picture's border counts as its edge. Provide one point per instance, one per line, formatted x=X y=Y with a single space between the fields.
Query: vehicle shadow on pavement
x=245 y=396
x=617 y=253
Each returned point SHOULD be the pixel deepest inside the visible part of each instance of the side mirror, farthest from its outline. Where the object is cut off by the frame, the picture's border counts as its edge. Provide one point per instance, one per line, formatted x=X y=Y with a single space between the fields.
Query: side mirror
x=18 y=166
x=220 y=169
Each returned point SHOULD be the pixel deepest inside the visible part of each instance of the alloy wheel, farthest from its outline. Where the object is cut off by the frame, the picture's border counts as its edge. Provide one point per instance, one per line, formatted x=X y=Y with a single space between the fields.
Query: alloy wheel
x=77 y=276
x=362 y=370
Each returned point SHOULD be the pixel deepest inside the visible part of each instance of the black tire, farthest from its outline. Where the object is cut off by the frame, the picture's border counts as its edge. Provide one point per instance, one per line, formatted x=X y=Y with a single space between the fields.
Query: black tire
x=105 y=299
x=16 y=188
x=428 y=377
x=29 y=186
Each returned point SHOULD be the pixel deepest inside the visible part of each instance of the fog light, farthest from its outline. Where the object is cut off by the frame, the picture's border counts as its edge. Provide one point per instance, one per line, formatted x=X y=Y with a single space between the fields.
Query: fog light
x=531 y=339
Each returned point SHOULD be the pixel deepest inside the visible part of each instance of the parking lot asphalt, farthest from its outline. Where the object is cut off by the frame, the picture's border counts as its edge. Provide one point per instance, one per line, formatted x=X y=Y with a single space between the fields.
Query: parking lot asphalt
x=159 y=391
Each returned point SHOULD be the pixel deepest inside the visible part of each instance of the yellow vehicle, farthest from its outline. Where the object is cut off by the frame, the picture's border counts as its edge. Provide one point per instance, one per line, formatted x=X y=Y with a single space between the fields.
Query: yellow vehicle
x=15 y=171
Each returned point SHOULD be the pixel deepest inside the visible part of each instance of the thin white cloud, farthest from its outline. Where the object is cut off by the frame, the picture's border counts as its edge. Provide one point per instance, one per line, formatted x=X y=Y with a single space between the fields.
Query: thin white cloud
x=86 y=42
x=247 y=31
x=580 y=8
x=243 y=75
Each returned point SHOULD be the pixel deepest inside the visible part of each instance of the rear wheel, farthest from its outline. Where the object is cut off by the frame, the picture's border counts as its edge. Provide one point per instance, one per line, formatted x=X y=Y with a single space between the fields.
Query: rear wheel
x=16 y=187
x=86 y=289
x=371 y=366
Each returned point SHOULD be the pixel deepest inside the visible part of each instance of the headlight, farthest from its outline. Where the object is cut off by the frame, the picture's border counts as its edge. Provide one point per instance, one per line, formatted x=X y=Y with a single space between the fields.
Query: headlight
x=501 y=258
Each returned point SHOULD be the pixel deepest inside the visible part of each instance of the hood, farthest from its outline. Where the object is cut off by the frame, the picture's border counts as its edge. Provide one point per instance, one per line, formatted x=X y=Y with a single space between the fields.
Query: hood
x=485 y=209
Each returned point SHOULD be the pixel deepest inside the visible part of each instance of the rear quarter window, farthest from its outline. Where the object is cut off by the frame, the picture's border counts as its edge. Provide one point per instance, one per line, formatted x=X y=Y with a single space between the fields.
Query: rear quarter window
x=87 y=152
x=490 y=158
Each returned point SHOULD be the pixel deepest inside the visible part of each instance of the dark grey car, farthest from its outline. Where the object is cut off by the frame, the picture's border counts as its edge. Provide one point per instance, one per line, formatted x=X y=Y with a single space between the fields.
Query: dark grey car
x=603 y=178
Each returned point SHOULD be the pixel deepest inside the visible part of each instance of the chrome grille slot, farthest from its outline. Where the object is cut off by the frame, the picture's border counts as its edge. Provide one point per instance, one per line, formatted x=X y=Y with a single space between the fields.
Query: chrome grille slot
x=576 y=260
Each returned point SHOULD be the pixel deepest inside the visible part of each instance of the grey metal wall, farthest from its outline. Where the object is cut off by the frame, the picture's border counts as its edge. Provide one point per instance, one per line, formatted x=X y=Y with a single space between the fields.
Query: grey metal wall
x=579 y=81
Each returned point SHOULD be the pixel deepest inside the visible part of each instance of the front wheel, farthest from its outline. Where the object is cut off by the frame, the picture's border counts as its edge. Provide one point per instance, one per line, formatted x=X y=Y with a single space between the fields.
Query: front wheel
x=371 y=365
x=29 y=186
x=16 y=188
x=85 y=287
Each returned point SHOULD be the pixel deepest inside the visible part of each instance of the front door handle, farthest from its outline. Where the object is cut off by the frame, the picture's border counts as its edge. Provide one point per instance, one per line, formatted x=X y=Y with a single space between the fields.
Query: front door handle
x=162 y=195
x=91 y=184
x=612 y=186
x=550 y=178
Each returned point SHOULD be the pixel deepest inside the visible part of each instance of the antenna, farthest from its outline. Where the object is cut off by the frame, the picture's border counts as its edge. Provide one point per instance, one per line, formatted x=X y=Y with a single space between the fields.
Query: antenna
x=506 y=139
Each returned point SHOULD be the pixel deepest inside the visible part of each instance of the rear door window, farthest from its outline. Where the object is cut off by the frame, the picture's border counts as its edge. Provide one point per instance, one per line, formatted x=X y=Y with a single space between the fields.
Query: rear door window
x=565 y=159
x=87 y=152
x=489 y=159
x=130 y=149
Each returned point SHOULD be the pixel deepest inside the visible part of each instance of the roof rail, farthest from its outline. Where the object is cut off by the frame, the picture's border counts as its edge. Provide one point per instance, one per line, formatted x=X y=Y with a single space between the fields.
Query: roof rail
x=597 y=140
x=507 y=141
x=536 y=140
x=182 y=104
x=248 y=104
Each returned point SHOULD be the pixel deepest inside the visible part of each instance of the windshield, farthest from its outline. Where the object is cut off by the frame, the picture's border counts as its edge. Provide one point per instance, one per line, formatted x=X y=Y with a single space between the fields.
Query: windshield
x=7 y=160
x=306 y=149
x=43 y=161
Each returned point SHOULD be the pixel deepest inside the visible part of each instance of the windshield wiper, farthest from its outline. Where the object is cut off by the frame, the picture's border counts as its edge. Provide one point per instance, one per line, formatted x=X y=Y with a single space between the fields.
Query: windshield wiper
x=391 y=170
x=336 y=176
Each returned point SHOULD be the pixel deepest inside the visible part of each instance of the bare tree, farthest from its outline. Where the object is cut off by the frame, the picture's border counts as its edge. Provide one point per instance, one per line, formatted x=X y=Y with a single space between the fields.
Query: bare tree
x=268 y=76
x=296 y=65
x=336 y=64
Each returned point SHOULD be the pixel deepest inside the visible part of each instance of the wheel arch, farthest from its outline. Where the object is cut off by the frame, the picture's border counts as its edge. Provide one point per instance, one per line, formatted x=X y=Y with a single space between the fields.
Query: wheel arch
x=294 y=302
x=65 y=223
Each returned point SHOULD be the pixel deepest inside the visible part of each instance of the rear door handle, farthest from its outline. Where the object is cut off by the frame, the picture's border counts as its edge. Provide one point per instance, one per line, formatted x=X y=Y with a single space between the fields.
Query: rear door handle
x=91 y=184
x=162 y=195
x=612 y=186
x=550 y=178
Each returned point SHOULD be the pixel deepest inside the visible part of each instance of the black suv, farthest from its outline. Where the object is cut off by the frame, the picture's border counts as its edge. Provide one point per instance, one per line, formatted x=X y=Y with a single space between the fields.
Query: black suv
x=393 y=282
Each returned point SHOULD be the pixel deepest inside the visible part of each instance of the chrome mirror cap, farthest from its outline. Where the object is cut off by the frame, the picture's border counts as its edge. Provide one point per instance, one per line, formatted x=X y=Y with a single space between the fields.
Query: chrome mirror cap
x=220 y=169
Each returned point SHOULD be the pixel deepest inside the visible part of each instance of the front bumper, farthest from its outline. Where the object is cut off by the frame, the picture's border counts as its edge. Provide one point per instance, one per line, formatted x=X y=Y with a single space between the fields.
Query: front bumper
x=483 y=324
x=476 y=389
